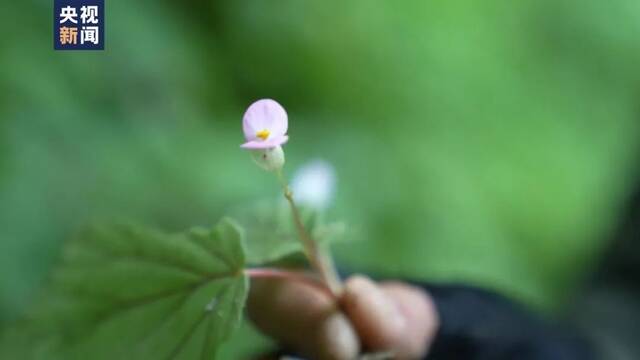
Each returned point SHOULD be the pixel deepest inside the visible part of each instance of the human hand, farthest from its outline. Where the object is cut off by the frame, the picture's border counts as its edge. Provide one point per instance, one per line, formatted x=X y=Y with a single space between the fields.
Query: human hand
x=392 y=317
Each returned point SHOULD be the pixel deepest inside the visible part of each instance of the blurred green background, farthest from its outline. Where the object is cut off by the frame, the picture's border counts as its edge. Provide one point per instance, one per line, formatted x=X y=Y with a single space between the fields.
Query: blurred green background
x=487 y=142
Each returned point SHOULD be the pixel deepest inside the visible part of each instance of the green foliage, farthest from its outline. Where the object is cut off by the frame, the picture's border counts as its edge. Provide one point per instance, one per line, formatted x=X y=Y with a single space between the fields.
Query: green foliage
x=489 y=143
x=130 y=292
x=271 y=234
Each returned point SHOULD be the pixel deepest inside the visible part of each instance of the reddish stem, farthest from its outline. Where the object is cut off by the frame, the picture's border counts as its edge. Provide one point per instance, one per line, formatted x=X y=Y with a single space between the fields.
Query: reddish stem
x=299 y=276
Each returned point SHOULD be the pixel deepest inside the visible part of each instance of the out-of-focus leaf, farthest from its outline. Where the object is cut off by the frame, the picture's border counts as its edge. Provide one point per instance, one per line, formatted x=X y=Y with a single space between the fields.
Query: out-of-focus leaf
x=330 y=232
x=129 y=292
x=271 y=234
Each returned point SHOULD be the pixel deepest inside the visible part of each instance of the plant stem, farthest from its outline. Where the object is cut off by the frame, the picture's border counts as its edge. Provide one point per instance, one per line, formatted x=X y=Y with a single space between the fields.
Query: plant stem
x=299 y=276
x=320 y=261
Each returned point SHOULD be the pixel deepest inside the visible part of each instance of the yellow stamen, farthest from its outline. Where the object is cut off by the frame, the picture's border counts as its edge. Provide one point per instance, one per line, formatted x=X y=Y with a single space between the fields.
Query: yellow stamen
x=263 y=134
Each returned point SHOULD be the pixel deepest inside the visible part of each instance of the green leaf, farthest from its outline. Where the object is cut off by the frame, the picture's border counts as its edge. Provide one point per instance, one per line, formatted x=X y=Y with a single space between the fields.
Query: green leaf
x=271 y=234
x=135 y=293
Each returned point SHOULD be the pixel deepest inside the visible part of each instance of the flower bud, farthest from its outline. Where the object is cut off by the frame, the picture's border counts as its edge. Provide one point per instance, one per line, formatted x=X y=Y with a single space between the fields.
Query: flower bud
x=270 y=159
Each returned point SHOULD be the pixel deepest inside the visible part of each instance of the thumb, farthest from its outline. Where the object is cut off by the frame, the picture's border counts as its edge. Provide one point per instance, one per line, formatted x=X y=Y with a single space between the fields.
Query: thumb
x=393 y=316
x=302 y=318
x=376 y=318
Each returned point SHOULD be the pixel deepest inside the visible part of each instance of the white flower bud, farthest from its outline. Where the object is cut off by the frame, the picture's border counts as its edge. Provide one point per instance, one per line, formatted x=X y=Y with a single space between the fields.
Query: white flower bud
x=270 y=159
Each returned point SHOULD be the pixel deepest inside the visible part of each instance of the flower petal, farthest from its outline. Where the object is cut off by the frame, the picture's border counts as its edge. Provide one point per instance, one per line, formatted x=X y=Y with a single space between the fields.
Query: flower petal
x=269 y=143
x=264 y=114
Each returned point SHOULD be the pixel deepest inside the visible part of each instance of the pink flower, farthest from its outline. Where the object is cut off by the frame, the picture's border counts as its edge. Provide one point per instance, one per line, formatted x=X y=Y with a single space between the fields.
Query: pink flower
x=265 y=125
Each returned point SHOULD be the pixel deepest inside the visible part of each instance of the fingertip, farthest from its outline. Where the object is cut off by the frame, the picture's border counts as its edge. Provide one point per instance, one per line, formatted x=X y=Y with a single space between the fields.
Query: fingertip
x=375 y=316
x=423 y=321
x=356 y=284
x=337 y=339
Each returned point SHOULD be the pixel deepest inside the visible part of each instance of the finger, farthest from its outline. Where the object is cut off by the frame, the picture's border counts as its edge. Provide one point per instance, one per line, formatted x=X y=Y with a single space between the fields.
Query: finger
x=303 y=318
x=375 y=316
x=422 y=322
x=336 y=339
